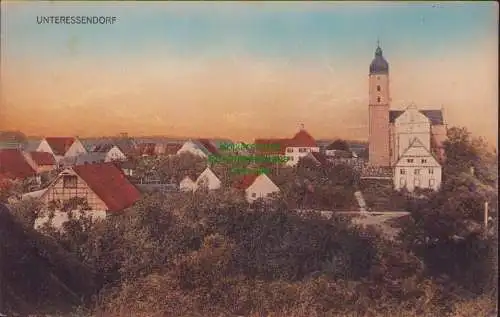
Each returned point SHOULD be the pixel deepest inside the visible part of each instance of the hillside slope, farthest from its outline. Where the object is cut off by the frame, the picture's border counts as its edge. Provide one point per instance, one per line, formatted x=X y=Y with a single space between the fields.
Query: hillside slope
x=36 y=274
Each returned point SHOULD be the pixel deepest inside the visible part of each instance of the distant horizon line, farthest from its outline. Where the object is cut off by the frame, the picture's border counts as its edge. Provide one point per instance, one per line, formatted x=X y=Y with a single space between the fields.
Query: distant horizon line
x=123 y=134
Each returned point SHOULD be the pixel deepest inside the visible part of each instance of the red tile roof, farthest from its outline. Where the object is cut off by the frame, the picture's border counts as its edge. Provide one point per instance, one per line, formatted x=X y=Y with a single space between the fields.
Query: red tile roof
x=245 y=181
x=42 y=158
x=209 y=146
x=268 y=146
x=303 y=139
x=110 y=184
x=13 y=164
x=300 y=139
x=60 y=145
x=172 y=148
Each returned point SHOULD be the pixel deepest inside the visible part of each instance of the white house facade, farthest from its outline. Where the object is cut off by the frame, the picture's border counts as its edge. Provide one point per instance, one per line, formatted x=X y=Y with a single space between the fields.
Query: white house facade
x=44 y=147
x=417 y=168
x=261 y=187
x=62 y=147
x=76 y=149
x=193 y=148
x=187 y=184
x=209 y=179
x=295 y=153
x=410 y=125
x=115 y=154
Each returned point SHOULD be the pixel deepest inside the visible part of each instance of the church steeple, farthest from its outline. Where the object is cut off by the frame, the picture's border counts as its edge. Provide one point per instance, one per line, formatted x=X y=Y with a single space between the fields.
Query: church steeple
x=379 y=65
x=379 y=105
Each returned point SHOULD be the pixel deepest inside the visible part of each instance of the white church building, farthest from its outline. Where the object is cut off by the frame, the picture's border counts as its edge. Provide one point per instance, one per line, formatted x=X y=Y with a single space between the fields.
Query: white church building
x=409 y=141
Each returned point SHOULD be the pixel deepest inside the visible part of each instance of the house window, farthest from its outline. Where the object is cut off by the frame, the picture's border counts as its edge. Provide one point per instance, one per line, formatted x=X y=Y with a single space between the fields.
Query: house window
x=378 y=87
x=69 y=181
x=431 y=183
x=417 y=171
x=378 y=99
x=402 y=171
x=431 y=171
x=416 y=182
x=402 y=181
x=302 y=150
x=289 y=150
x=254 y=195
x=424 y=161
x=409 y=160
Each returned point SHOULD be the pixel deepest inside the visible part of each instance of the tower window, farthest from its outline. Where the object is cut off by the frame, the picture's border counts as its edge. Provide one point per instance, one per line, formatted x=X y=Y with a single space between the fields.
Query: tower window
x=378 y=87
x=378 y=99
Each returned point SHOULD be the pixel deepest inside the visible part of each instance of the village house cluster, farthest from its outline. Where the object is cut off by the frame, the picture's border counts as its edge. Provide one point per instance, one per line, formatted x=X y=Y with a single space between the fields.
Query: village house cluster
x=404 y=146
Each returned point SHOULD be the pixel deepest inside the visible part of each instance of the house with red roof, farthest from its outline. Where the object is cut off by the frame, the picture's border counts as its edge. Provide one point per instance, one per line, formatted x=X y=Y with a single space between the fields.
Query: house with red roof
x=294 y=148
x=199 y=147
x=62 y=147
x=256 y=186
x=41 y=161
x=13 y=165
x=104 y=188
x=206 y=179
x=112 y=152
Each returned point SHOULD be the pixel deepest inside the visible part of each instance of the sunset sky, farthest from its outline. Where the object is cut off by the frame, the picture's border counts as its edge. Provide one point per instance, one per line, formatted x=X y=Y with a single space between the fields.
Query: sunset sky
x=243 y=70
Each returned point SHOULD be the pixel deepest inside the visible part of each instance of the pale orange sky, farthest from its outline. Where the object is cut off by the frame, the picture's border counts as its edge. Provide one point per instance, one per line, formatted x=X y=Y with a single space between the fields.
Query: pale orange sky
x=242 y=97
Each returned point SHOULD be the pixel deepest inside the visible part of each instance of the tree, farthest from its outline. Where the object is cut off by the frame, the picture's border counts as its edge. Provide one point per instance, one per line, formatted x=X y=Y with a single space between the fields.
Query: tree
x=465 y=154
x=446 y=227
x=26 y=211
x=339 y=144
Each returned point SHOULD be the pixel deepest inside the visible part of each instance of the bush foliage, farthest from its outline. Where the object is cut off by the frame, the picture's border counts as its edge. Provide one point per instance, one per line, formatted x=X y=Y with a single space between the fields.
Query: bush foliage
x=210 y=253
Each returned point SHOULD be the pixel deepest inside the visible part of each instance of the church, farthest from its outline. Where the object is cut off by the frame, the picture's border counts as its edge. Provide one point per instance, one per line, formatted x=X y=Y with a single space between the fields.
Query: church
x=409 y=141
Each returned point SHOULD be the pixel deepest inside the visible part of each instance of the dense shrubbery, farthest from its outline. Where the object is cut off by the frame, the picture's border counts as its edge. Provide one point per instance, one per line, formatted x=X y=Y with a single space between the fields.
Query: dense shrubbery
x=213 y=254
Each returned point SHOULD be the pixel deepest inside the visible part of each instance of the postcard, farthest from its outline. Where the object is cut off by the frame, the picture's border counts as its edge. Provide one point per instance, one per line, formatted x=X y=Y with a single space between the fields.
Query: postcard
x=248 y=158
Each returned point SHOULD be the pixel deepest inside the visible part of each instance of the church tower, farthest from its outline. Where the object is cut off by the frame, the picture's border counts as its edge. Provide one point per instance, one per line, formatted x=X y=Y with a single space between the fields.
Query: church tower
x=379 y=101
